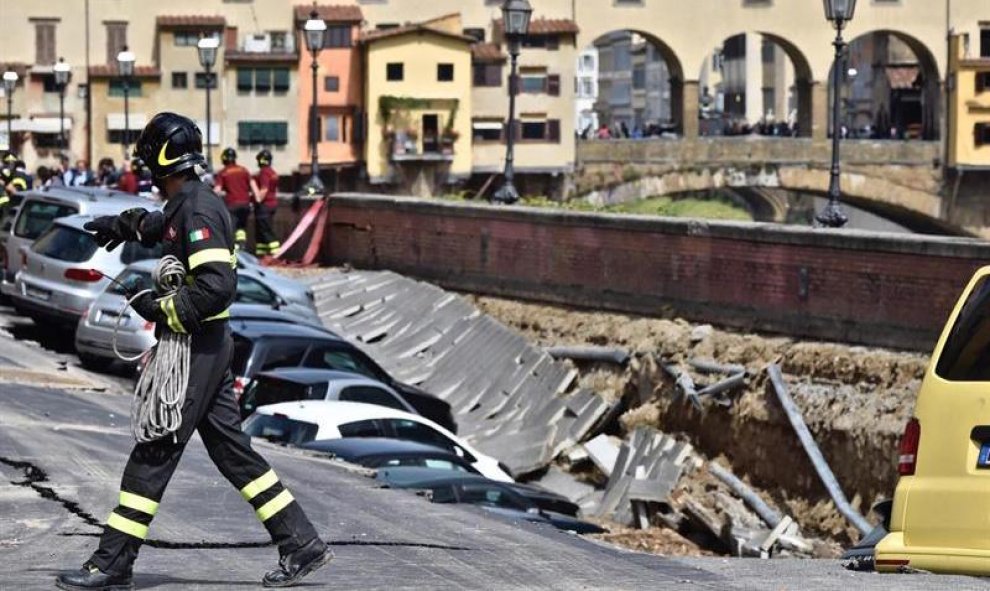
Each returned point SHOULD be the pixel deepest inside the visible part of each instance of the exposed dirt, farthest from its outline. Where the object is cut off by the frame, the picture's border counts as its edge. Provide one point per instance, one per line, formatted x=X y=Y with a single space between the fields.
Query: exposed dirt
x=855 y=401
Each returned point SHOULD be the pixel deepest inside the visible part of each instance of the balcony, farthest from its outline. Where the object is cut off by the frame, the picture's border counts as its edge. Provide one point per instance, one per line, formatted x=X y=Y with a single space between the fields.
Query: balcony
x=406 y=146
x=270 y=47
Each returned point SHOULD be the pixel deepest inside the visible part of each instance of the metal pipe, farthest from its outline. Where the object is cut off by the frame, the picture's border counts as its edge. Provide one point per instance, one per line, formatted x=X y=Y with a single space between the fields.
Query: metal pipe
x=814 y=453
x=127 y=118
x=710 y=366
x=590 y=353
x=209 y=151
x=767 y=513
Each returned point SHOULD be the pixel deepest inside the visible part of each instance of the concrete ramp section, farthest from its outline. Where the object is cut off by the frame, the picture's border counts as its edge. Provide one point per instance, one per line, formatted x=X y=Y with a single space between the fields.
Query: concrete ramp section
x=508 y=397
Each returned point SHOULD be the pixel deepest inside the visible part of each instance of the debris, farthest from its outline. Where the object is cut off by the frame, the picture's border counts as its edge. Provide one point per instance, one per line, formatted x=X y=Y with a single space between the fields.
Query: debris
x=560 y=482
x=710 y=366
x=814 y=454
x=590 y=353
x=701 y=332
x=684 y=383
x=766 y=513
x=729 y=383
x=603 y=453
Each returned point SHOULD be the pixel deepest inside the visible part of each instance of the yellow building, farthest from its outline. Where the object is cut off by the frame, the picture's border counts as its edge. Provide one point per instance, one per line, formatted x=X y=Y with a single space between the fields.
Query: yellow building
x=418 y=98
x=969 y=107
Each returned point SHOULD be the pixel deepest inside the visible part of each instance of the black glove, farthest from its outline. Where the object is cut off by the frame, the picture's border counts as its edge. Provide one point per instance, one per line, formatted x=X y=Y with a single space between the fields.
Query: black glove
x=127 y=225
x=147 y=307
x=104 y=228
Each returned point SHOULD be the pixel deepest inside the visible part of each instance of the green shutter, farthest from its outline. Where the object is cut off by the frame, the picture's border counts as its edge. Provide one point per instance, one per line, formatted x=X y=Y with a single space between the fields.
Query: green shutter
x=263 y=79
x=281 y=79
x=244 y=129
x=245 y=79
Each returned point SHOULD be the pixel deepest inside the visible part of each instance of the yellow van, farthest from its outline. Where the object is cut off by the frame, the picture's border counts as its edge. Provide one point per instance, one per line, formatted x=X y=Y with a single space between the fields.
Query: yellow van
x=940 y=520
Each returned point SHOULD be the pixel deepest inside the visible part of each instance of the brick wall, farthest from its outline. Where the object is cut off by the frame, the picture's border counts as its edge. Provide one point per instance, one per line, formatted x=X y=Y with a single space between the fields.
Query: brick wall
x=851 y=286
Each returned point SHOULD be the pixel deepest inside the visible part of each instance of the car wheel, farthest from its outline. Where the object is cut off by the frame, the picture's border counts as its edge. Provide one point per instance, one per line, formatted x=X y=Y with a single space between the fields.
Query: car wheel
x=95 y=363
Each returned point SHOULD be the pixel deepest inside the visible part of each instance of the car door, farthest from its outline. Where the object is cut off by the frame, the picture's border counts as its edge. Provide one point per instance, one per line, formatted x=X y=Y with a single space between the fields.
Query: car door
x=946 y=502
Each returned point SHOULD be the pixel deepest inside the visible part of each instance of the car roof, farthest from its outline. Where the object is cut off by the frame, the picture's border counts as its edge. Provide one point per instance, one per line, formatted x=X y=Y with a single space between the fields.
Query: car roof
x=356 y=447
x=309 y=375
x=73 y=221
x=413 y=476
x=98 y=200
x=276 y=325
x=336 y=412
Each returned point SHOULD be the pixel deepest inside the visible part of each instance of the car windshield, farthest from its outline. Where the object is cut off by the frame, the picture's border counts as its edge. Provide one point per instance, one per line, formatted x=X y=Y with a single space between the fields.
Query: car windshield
x=271 y=390
x=342 y=357
x=966 y=354
x=37 y=216
x=280 y=429
x=133 y=280
x=66 y=244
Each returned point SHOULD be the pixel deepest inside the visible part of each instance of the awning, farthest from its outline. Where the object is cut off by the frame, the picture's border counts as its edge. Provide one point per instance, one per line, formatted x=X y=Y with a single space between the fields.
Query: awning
x=487 y=125
x=902 y=77
x=40 y=125
x=115 y=121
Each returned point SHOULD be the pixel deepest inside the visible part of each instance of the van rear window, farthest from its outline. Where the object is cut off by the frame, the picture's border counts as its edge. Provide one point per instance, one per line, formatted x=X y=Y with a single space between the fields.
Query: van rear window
x=966 y=354
x=37 y=216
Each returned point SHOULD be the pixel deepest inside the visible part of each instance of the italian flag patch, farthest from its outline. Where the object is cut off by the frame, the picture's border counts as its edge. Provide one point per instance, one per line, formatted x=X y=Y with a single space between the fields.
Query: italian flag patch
x=201 y=234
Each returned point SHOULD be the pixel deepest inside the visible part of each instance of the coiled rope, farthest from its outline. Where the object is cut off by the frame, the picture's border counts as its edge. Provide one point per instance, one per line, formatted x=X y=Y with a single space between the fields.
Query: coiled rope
x=156 y=410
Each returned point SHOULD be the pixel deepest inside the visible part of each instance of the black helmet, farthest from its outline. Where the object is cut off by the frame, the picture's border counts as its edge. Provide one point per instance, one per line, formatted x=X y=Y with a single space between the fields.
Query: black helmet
x=264 y=157
x=228 y=155
x=170 y=144
x=9 y=158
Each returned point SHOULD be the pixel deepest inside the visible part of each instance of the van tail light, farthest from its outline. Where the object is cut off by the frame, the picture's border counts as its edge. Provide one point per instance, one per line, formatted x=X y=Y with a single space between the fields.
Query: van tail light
x=84 y=275
x=908 y=458
x=240 y=383
x=148 y=326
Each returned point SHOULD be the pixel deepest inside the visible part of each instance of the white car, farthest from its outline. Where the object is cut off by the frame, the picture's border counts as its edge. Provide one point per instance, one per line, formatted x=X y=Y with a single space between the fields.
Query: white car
x=303 y=421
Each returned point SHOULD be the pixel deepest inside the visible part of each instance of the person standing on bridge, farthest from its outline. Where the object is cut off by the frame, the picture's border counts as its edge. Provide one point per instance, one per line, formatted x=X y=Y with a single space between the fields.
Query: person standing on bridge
x=237 y=186
x=196 y=229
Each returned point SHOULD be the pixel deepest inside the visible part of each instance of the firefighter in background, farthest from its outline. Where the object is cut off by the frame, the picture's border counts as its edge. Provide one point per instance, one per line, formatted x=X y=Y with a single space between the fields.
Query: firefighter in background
x=235 y=183
x=6 y=175
x=20 y=179
x=195 y=228
x=128 y=181
x=265 y=241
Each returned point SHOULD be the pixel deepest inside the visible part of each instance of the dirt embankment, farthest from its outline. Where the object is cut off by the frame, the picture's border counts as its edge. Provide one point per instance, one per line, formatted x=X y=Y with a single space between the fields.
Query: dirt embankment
x=855 y=400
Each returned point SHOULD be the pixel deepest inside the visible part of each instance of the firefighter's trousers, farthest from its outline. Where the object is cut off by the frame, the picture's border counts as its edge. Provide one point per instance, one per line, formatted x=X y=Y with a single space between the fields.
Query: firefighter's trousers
x=211 y=409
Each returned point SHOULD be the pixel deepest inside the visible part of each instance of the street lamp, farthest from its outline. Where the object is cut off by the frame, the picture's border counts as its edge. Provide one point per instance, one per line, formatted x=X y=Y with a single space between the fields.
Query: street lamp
x=61 y=70
x=515 y=22
x=125 y=67
x=207 y=48
x=9 y=83
x=839 y=12
x=315 y=28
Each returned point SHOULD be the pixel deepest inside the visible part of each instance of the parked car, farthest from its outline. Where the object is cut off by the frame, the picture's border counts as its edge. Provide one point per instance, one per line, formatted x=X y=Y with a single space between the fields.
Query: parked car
x=316 y=420
x=381 y=452
x=63 y=271
x=495 y=497
x=256 y=295
x=409 y=473
x=939 y=518
x=37 y=211
x=302 y=383
x=261 y=346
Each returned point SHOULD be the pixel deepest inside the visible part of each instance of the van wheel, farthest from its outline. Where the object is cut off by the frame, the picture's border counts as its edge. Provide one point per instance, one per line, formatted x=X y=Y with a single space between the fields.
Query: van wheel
x=95 y=363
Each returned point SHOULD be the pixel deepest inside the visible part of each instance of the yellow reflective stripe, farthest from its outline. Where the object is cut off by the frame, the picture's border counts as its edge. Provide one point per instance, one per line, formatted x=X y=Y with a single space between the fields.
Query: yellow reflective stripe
x=128 y=526
x=209 y=255
x=240 y=235
x=19 y=182
x=138 y=503
x=168 y=308
x=4 y=200
x=220 y=316
x=259 y=485
x=275 y=505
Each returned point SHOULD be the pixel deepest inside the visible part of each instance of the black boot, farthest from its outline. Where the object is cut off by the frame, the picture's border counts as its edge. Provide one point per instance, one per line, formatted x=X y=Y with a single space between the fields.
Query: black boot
x=295 y=565
x=90 y=578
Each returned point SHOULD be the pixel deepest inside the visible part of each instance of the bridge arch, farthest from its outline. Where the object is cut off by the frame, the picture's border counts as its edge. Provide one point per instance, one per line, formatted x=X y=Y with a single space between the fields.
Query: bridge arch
x=891 y=85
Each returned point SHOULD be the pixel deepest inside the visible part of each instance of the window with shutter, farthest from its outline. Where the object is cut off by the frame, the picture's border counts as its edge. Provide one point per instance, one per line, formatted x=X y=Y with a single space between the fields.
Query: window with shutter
x=44 y=43
x=262 y=79
x=982 y=81
x=116 y=40
x=281 y=82
x=245 y=79
x=553 y=85
x=553 y=43
x=981 y=134
x=553 y=131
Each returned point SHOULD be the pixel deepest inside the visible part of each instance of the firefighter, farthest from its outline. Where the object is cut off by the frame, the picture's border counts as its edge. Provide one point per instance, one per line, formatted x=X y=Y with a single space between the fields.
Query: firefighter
x=20 y=179
x=6 y=175
x=194 y=227
x=237 y=186
x=265 y=241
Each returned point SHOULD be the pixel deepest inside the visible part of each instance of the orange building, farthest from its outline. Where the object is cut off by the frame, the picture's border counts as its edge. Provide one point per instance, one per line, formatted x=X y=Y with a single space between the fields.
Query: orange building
x=338 y=93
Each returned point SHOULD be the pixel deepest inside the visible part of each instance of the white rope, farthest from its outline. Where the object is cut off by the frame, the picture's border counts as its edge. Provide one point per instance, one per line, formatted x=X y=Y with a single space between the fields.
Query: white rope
x=156 y=410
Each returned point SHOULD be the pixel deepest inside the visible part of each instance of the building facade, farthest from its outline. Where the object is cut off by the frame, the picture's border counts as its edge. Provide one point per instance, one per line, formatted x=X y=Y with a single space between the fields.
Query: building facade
x=586 y=92
x=969 y=104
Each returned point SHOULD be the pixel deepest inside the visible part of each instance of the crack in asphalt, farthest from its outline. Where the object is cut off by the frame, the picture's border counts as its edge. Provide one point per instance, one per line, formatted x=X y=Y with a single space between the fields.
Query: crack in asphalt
x=35 y=476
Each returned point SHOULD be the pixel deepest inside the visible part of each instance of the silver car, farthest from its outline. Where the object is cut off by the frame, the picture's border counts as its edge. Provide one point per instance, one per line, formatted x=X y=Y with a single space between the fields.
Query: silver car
x=65 y=270
x=258 y=291
x=40 y=208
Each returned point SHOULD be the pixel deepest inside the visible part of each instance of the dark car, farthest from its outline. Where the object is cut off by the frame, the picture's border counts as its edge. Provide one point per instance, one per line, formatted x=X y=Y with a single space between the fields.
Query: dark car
x=409 y=475
x=379 y=452
x=495 y=497
x=266 y=344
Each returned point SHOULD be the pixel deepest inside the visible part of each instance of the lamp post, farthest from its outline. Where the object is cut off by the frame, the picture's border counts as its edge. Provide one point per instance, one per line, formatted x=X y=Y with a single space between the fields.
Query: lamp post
x=207 y=48
x=9 y=84
x=315 y=28
x=839 y=12
x=61 y=70
x=515 y=23
x=125 y=67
